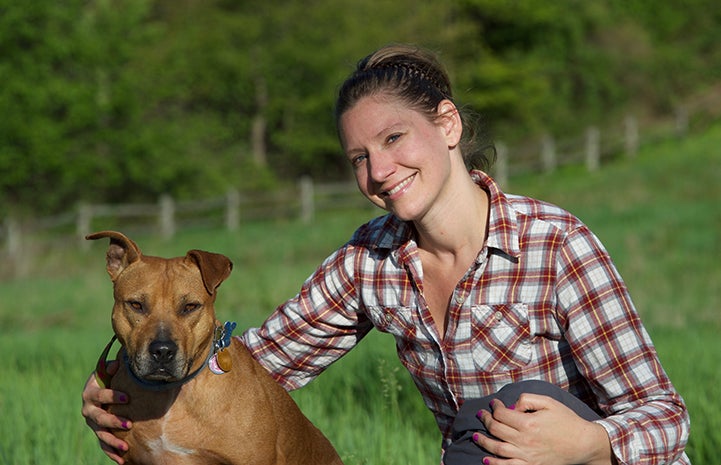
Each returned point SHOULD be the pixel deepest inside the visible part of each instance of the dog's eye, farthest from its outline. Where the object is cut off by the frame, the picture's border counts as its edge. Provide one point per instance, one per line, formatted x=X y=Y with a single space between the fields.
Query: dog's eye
x=135 y=305
x=191 y=307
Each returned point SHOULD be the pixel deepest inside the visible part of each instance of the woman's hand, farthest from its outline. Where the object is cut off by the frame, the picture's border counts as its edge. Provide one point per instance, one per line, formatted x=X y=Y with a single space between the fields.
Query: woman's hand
x=540 y=430
x=100 y=420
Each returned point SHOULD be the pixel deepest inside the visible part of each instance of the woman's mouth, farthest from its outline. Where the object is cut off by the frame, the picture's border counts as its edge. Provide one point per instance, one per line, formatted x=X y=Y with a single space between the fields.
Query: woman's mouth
x=399 y=187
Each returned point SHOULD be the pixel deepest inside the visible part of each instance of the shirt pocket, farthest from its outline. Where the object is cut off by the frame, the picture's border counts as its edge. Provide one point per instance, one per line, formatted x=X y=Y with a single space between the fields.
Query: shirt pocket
x=397 y=321
x=413 y=349
x=500 y=337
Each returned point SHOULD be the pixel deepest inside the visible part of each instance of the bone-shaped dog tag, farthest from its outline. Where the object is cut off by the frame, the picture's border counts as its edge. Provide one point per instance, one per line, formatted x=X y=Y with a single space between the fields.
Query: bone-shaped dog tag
x=225 y=362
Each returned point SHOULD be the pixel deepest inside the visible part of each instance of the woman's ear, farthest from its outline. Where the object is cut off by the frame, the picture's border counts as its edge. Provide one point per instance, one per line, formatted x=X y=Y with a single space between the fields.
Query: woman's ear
x=449 y=120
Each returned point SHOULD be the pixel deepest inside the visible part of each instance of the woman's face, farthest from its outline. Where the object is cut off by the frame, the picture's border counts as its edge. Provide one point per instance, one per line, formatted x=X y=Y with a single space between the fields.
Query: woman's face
x=401 y=159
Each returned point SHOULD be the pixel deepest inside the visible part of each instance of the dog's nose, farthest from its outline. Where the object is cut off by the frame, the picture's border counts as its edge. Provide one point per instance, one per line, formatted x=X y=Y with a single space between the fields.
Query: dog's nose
x=163 y=351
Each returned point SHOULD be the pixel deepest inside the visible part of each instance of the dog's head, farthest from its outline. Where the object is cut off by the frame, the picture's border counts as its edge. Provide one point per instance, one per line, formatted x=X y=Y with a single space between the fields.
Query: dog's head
x=163 y=313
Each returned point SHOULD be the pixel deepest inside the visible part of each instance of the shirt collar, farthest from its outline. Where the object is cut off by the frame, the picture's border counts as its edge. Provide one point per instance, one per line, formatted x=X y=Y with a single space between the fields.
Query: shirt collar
x=502 y=219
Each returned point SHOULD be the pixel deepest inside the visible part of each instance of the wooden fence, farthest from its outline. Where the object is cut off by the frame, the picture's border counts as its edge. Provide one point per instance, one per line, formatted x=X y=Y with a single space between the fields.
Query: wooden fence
x=302 y=201
x=590 y=149
x=167 y=216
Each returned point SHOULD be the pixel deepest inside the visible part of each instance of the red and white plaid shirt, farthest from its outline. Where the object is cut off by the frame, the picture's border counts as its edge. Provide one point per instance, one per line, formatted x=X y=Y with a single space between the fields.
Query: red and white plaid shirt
x=541 y=301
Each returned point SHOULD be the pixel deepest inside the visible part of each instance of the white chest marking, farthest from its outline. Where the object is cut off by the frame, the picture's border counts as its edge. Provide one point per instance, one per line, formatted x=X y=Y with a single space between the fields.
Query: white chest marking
x=164 y=445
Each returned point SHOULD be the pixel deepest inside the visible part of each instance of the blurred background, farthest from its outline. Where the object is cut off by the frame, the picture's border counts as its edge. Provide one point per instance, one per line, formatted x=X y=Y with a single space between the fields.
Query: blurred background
x=209 y=124
x=127 y=100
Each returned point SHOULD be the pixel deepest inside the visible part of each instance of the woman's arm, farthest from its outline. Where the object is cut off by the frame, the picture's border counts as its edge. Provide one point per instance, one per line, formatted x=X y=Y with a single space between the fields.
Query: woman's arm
x=320 y=324
x=647 y=421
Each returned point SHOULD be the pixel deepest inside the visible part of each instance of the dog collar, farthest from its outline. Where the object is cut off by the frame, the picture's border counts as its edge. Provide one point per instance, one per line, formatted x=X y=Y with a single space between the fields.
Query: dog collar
x=221 y=340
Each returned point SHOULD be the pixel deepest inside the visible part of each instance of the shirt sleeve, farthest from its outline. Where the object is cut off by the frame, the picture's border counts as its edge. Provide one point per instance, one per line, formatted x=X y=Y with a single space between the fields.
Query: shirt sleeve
x=647 y=421
x=319 y=325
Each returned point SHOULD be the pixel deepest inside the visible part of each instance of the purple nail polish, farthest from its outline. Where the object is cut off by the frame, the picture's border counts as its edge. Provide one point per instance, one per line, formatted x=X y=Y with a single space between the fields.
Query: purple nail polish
x=486 y=461
x=512 y=407
x=124 y=424
x=122 y=398
x=476 y=436
x=479 y=414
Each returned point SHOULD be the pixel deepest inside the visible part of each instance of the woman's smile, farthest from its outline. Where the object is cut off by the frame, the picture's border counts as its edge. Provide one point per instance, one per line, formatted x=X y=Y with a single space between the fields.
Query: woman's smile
x=393 y=192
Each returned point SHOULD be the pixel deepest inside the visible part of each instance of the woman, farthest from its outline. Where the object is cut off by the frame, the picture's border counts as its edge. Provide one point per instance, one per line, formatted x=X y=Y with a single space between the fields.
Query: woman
x=480 y=289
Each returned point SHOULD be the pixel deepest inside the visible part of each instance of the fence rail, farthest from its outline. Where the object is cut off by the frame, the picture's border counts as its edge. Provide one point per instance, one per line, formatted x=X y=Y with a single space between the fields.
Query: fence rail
x=306 y=198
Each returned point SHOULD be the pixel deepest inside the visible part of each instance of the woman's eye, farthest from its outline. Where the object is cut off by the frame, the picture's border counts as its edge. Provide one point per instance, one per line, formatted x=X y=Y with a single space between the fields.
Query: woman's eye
x=357 y=160
x=392 y=138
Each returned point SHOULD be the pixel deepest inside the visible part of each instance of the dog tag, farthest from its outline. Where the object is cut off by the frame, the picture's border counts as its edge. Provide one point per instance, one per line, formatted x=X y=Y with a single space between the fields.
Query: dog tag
x=225 y=362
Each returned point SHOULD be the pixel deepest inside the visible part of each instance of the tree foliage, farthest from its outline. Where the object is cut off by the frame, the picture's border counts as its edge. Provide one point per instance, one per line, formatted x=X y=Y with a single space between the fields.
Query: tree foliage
x=116 y=100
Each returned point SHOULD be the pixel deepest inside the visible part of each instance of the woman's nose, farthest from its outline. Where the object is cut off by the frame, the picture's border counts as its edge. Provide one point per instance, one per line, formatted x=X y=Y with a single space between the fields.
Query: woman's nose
x=380 y=167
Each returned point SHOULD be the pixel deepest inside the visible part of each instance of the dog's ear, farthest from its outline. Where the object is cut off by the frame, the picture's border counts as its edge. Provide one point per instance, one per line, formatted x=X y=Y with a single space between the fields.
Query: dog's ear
x=214 y=268
x=121 y=252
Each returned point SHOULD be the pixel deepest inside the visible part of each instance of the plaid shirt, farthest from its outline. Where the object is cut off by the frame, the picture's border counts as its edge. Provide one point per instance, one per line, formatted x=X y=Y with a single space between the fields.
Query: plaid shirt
x=541 y=301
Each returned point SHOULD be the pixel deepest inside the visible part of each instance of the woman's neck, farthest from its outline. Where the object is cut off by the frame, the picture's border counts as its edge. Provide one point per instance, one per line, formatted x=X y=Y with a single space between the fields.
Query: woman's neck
x=458 y=225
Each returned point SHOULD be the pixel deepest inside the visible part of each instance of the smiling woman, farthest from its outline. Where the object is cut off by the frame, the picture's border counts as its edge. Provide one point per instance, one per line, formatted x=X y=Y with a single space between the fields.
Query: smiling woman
x=480 y=289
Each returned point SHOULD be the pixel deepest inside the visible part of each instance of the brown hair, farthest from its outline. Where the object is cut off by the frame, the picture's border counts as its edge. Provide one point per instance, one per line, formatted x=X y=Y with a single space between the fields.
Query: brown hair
x=415 y=77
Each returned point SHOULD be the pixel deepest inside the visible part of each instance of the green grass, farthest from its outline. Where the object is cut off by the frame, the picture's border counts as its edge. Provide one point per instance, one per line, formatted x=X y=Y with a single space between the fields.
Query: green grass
x=659 y=215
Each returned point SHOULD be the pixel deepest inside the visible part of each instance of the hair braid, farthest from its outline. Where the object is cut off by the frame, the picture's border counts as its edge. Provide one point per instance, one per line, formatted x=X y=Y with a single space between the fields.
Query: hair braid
x=417 y=78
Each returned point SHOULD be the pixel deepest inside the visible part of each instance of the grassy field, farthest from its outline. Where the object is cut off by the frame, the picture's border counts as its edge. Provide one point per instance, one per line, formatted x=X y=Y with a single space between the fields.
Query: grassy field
x=659 y=215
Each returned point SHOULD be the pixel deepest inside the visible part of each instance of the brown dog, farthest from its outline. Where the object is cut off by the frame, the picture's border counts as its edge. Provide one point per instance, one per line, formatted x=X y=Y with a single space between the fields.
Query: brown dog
x=196 y=395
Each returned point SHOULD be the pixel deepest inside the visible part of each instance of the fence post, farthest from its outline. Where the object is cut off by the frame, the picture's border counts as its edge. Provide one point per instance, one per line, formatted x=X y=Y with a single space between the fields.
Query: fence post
x=593 y=149
x=307 y=208
x=681 y=121
x=502 y=164
x=631 y=134
x=548 y=153
x=232 y=210
x=14 y=247
x=167 y=216
x=83 y=223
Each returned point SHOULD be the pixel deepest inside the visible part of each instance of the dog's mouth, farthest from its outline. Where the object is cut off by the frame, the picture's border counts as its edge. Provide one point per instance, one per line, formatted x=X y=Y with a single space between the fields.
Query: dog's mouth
x=160 y=375
x=147 y=369
x=160 y=361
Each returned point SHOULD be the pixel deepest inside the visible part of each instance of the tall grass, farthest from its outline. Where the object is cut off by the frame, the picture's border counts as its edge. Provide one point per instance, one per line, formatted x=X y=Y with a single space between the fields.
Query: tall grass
x=659 y=215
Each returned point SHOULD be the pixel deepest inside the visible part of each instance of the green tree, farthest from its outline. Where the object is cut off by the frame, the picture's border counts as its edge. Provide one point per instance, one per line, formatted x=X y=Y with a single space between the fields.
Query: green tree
x=64 y=98
x=117 y=100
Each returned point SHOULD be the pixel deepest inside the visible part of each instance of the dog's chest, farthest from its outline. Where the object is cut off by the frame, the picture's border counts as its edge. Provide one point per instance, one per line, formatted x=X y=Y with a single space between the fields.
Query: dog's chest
x=164 y=447
x=165 y=442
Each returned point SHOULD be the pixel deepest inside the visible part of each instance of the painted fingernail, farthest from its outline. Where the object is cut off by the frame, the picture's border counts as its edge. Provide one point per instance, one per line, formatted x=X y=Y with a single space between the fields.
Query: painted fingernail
x=476 y=437
x=486 y=461
x=512 y=407
x=124 y=424
x=479 y=414
x=123 y=398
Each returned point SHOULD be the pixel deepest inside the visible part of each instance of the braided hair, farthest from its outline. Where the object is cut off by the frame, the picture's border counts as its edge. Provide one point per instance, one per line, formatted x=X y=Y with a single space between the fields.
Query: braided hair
x=417 y=78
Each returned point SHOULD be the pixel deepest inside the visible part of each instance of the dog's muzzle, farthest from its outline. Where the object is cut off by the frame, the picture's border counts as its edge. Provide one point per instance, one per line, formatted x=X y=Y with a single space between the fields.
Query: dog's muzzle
x=161 y=361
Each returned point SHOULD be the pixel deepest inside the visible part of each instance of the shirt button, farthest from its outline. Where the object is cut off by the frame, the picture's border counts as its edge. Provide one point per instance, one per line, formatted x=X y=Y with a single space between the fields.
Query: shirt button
x=499 y=316
x=389 y=317
x=460 y=298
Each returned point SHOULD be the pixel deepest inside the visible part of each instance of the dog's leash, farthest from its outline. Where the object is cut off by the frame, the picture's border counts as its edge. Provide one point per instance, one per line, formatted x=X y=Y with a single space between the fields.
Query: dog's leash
x=218 y=360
